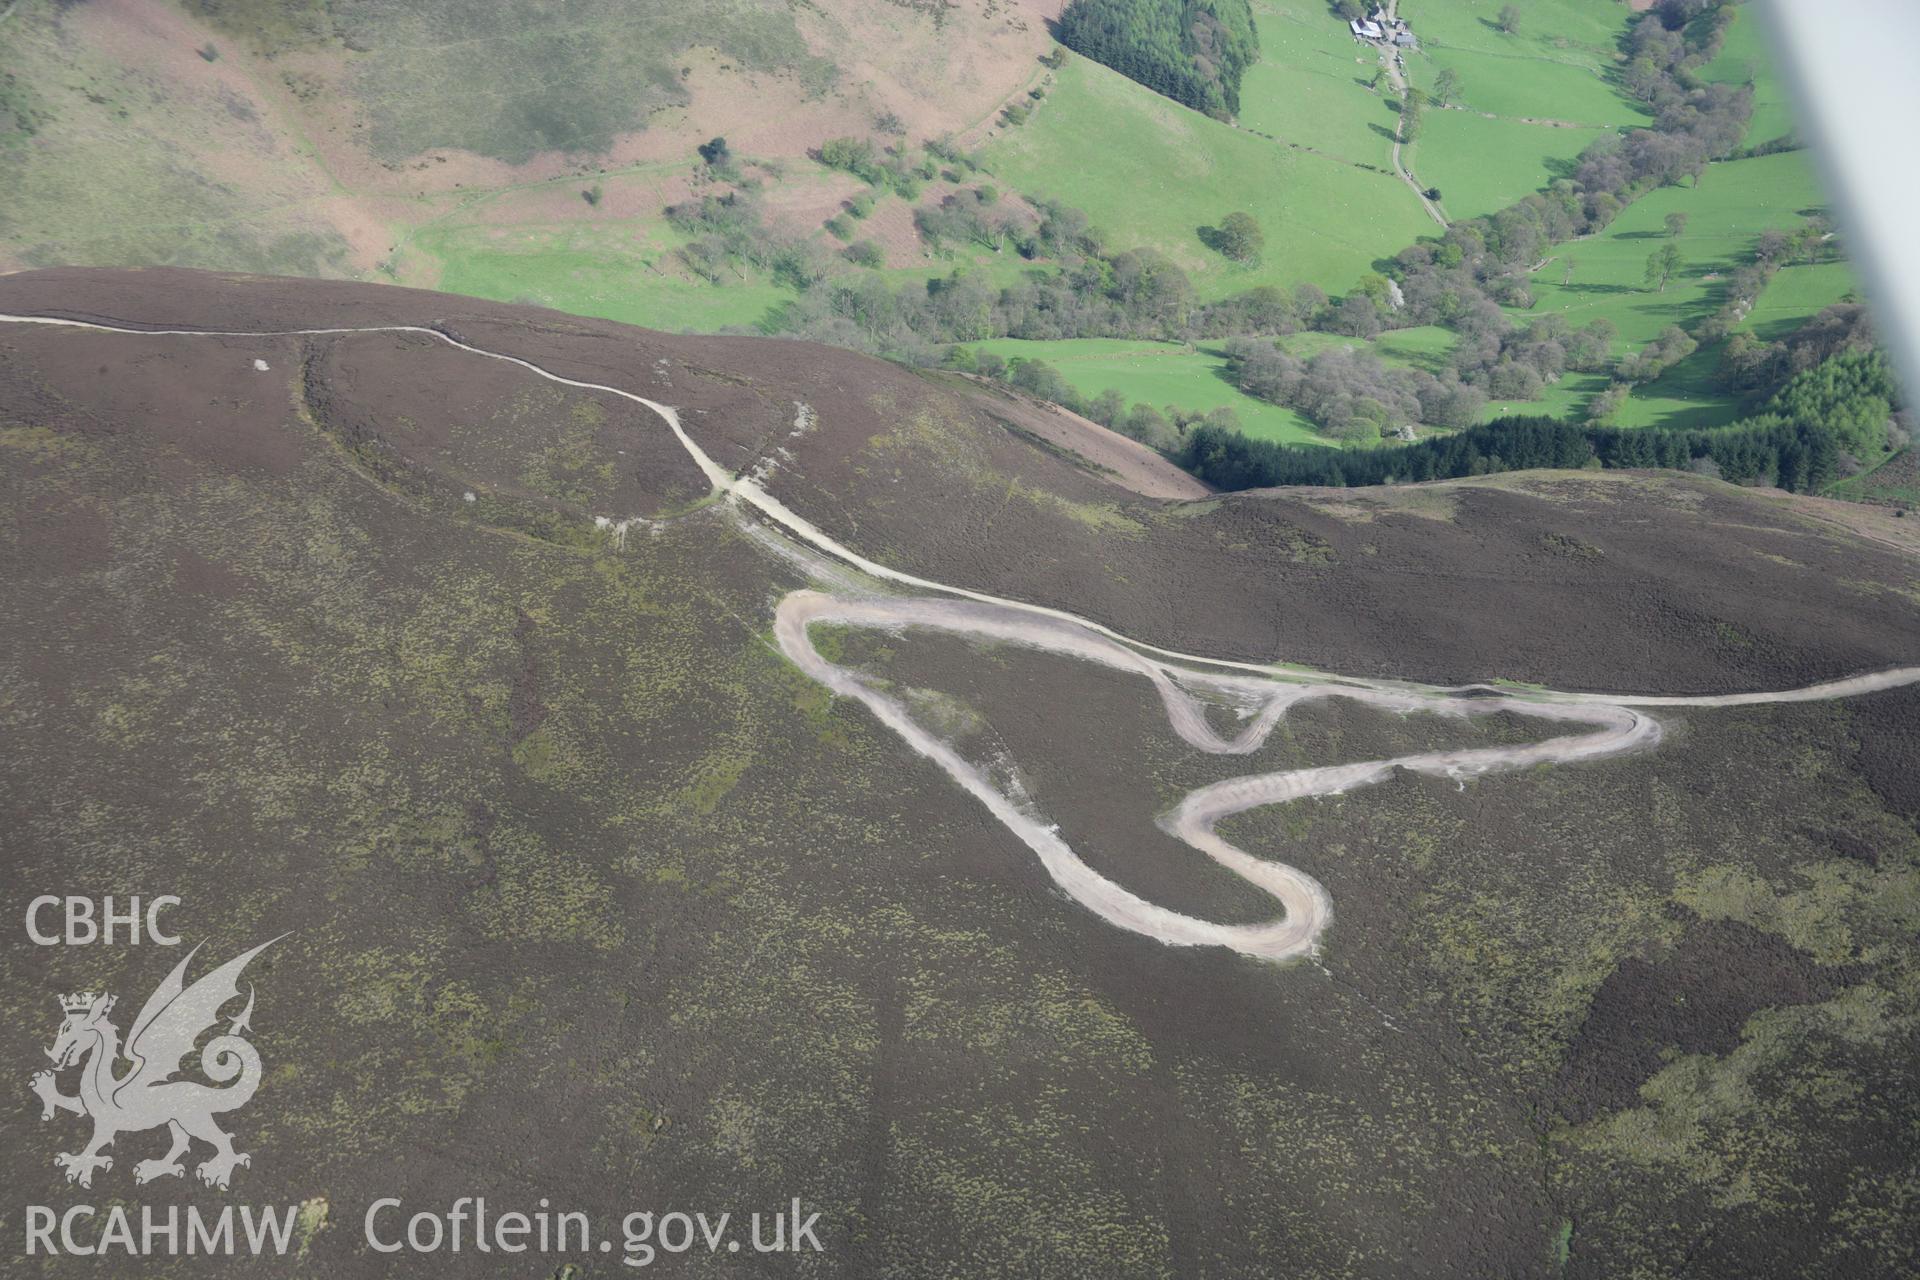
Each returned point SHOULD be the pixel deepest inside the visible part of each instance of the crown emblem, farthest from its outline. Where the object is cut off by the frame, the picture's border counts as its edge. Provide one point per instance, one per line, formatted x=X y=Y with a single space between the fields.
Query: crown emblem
x=79 y=1002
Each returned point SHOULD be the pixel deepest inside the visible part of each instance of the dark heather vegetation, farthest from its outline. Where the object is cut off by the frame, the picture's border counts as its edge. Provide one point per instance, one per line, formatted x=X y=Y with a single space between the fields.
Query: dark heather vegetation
x=1669 y=998
x=1801 y=441
x=1193 y=51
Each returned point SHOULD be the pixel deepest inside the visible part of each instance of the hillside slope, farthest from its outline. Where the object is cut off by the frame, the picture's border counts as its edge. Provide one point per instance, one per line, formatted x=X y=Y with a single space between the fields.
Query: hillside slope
x=591 y=888
x=321 y=139
x=1661 y=584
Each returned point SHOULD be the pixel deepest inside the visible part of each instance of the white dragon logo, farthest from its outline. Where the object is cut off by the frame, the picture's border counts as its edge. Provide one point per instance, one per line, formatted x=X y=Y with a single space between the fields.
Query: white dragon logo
x=146 y=1096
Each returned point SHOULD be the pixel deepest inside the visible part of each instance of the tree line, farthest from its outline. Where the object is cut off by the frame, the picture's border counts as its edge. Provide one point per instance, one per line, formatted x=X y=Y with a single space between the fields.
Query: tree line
x=1793 y=456
x=1797 y=442
x=1353 y=395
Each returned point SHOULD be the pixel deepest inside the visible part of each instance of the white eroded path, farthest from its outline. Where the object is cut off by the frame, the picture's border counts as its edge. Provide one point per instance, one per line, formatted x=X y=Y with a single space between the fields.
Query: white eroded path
x=1613 y=724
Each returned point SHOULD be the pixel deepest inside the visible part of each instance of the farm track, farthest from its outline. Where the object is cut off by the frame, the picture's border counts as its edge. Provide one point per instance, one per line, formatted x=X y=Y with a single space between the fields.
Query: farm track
x=1390 y=59
x=1181 y=680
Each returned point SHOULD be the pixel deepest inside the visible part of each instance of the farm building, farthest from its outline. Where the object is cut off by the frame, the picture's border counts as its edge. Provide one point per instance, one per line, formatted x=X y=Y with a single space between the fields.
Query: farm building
x=1380 y=28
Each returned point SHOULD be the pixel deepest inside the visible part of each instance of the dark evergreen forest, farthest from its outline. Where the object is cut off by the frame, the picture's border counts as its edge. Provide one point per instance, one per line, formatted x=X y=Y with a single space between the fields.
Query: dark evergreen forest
x=1193 y=51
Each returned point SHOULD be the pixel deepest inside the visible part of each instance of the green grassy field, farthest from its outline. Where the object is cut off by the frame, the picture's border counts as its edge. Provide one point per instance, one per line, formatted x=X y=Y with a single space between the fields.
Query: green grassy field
x=1797 y=292
x=1684 y=396
x=625 y=267
x=1424 y=347
x=1743 y=58
x=1482 y=164
x=620 y=271
x=1167 y=373
x=1160 y=374
x=1527 y=103
x=1151 y=172
x=1310 y=85
x=1524 y=87
x=1687 y=395
x=997 y=269
x=1566 y=399
x=1733 y=203
x=1553 y=68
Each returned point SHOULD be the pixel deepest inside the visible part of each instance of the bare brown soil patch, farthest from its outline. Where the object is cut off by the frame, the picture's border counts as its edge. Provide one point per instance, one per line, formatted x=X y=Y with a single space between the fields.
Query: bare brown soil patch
x=1108 y=453
x=802 y=207
x=939 y=68
x=890 y=225
x=1883 y=525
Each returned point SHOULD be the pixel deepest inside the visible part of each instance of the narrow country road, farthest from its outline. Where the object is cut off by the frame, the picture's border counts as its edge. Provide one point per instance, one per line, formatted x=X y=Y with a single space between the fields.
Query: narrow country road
x=1617 y=725
x=1390 y=59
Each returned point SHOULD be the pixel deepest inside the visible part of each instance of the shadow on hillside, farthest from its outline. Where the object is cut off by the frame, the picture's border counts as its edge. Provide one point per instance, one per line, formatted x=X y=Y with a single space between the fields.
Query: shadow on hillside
x=1224 y=371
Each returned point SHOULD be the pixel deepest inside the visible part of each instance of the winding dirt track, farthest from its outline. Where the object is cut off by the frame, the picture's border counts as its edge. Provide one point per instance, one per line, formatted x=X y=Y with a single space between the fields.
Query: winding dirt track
x=1617 y=726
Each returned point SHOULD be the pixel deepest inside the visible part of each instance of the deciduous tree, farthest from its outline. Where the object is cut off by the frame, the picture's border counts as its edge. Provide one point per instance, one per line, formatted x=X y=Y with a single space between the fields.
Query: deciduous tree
x=1240 y=237
x=1661 y=264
